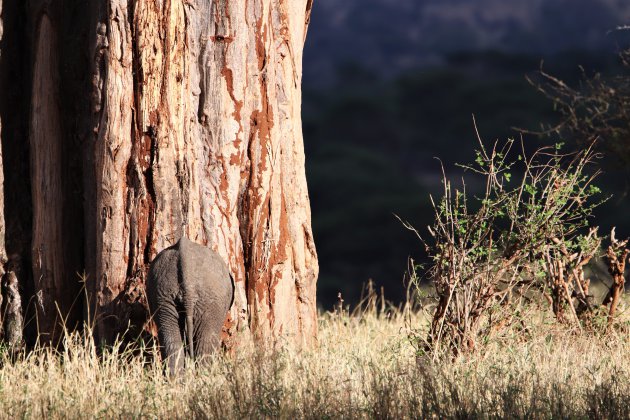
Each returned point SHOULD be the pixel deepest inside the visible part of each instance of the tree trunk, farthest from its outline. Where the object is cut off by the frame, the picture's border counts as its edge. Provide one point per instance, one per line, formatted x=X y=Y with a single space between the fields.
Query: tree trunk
x=11 y=319
x=185 y=120
x=45 y=146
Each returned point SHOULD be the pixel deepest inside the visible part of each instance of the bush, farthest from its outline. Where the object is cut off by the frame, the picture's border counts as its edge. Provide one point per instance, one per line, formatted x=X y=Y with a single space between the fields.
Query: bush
x=529 y=230
x=599 y=108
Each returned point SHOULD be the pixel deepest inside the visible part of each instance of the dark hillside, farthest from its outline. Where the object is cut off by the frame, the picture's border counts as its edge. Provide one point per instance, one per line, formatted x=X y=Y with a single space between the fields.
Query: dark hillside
x=391 y=84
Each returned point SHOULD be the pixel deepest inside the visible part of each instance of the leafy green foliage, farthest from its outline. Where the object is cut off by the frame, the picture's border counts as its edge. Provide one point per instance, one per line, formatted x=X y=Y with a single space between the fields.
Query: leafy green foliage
x=526 y=231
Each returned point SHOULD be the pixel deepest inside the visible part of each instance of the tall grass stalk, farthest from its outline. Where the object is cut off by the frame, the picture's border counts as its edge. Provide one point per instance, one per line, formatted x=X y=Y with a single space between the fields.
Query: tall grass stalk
x=365 y=366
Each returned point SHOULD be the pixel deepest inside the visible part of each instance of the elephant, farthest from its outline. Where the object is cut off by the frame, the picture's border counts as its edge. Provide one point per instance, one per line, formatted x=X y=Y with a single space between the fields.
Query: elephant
x=190 y=291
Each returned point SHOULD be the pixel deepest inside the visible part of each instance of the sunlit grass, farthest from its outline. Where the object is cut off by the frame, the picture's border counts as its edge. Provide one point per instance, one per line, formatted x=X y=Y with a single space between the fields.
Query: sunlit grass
x=365 y=366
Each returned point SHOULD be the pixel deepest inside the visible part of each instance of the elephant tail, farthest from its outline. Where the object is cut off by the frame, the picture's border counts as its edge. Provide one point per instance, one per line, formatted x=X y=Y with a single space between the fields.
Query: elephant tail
x=233 y=291
x=188 y=292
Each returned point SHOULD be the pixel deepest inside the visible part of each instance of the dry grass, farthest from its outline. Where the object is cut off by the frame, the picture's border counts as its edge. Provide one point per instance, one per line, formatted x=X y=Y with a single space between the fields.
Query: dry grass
x=365 y=367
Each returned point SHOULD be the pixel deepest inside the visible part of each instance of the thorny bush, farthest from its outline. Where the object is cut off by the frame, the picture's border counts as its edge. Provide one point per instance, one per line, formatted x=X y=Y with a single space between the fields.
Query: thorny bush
x=598 y=108
x=527 y=233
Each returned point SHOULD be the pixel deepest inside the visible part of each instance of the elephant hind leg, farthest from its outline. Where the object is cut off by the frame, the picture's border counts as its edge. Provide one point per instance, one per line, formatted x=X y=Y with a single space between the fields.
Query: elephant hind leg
x=169 y=335
x=207 y=334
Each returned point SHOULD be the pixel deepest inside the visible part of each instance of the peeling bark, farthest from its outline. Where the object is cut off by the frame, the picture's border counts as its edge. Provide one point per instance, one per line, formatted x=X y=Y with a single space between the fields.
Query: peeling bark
x=15 y=200
x=13 y=323
x=193 y=127
x=11 y=320
x=201 y=134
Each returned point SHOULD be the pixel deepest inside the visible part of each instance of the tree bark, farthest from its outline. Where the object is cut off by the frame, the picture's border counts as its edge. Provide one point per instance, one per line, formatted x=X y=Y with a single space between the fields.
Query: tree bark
x=198 y=132
x=45 y=146
x=150 y=120
x=56 y=242
x=11 y=320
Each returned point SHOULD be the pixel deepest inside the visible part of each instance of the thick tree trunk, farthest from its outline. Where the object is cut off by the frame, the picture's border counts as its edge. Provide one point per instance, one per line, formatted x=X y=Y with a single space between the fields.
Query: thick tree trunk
x=180 y=118
x=45 y=146
x=198 y=132
x=11 y=319
x=56 y=204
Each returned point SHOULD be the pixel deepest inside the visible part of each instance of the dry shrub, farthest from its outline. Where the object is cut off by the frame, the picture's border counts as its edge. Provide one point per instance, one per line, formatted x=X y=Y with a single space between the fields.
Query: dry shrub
x=597 y=108
x=616 y=257
x=525 y=231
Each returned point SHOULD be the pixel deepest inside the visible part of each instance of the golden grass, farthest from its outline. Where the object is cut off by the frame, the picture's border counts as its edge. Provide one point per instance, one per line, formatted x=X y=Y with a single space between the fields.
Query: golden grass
x=364 y=367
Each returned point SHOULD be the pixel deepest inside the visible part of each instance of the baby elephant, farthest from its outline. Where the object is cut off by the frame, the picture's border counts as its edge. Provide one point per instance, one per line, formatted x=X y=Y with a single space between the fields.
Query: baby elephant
x=190 y=291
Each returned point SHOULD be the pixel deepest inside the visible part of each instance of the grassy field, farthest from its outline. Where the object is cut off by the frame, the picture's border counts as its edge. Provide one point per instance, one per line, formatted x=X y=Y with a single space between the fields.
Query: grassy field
x=365 y=366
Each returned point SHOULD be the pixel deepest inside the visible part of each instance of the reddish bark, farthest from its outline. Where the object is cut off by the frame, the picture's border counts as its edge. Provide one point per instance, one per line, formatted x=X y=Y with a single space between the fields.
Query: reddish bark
x=184 y=120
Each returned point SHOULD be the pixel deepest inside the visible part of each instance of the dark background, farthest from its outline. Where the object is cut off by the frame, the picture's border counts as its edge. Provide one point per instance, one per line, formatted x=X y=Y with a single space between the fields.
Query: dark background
x=391 y=84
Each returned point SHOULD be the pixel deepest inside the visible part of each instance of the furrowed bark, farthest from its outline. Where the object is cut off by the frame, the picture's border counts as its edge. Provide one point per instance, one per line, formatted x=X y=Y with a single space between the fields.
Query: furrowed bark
x=198 y=131
x=54 y=147
x=15 y=203
x=45 y=146
x=11 y=321
x=43 y=84
x=113 y=139
x=150 y=120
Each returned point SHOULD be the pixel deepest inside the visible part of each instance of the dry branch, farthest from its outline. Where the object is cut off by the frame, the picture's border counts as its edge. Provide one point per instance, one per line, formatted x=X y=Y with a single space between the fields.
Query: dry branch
x=616 y=257
x=514 y=236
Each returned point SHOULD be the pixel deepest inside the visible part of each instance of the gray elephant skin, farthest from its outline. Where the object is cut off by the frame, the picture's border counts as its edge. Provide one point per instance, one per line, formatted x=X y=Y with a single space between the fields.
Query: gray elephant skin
x=190 y=291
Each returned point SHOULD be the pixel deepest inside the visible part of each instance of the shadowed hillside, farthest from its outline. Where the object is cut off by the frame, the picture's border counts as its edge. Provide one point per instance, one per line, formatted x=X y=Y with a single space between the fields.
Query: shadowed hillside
x=372 y=143
x=389 y=36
